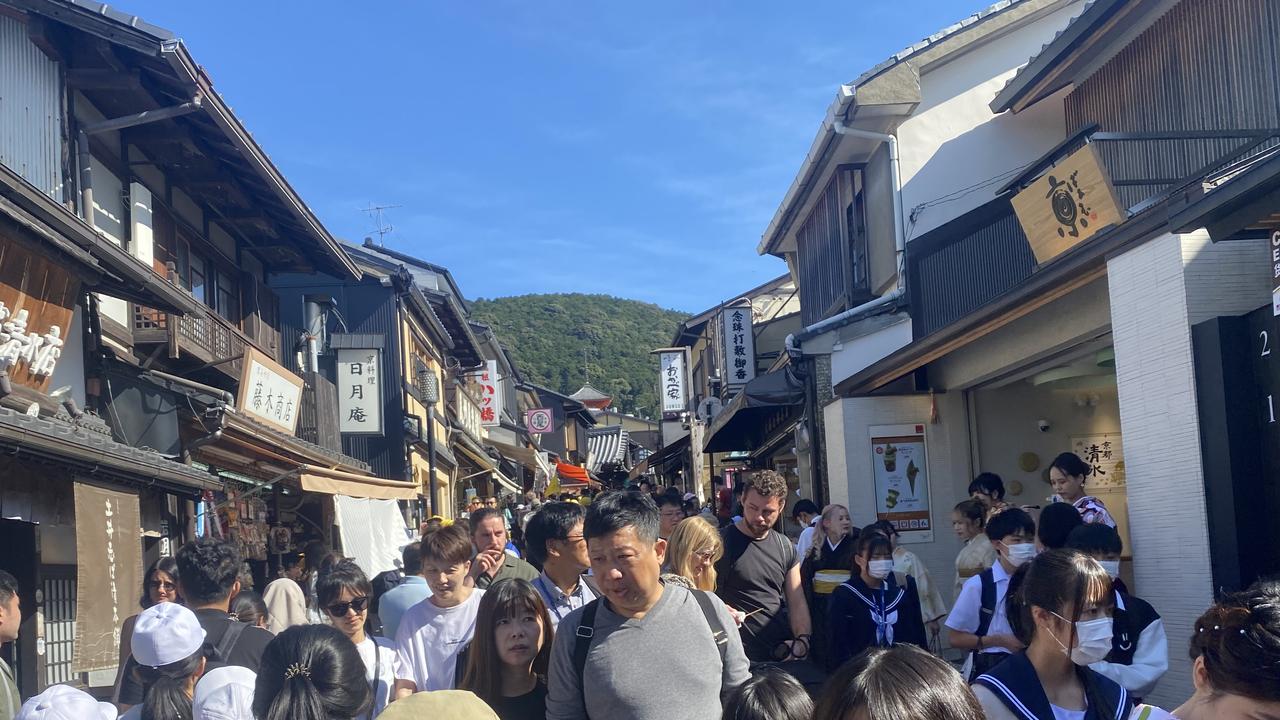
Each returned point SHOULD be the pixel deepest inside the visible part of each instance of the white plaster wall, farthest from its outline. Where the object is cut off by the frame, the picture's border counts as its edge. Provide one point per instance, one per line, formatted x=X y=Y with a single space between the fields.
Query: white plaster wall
x=142 y=242
x=848 y=423
x=856 y=354
x=70 y=367
x=109 y=217
x=953 y=141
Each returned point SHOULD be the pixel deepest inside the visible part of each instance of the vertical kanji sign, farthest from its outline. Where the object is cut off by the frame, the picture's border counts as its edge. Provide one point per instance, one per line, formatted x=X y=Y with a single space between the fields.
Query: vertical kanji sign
x=490 y=395
x=359 y=384
x=672 y=383
x=739 y=347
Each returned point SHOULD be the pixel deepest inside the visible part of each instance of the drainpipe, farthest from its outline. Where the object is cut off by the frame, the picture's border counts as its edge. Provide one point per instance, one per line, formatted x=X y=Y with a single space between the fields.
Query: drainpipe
x=82 y=142
x=899 y=244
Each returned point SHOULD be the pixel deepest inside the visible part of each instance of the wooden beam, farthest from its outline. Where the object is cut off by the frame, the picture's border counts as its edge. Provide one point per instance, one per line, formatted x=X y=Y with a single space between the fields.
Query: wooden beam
x=101 y=79
x=50 y=37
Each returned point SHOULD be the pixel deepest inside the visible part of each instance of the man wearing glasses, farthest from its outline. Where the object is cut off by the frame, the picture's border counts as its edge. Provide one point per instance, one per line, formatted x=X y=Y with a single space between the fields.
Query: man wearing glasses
x=554 y=541
x=670 y=513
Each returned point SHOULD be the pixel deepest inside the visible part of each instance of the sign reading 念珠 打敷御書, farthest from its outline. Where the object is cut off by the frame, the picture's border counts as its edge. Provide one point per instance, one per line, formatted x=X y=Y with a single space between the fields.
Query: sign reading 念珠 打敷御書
x=900 y=468
x=739 y=346
x=359 y=385
x=268 y=392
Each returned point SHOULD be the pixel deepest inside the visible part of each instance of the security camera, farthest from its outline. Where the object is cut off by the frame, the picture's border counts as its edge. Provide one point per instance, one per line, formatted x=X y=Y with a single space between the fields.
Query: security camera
x=1043 y=425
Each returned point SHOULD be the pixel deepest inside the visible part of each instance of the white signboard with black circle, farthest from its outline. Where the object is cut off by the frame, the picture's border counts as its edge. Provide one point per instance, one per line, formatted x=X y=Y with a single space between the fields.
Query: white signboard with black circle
x=539 y=421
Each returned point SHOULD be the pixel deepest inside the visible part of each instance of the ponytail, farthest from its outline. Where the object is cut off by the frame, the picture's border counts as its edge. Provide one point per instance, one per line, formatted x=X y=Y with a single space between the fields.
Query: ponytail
x=166 y=688
x=297 y=699
x=311 y=672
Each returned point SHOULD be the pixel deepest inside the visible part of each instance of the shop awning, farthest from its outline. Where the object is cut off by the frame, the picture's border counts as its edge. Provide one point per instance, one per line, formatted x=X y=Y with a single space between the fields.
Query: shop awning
x=472 y=451
x=661 y=458
x=572 y=476
x=337 y=482
x=527 y=457
x=764 y=407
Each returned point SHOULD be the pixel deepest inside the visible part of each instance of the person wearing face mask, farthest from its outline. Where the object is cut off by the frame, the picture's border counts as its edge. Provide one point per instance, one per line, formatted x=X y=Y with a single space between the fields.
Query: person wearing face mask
x=876 y=607
x=979 y=622
x=1139 y=654
x=1060 y=606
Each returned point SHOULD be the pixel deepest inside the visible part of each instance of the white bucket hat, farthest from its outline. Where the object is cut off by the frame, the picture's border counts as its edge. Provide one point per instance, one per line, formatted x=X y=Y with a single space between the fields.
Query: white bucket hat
x=225 y=693
x=165 y=634
x=63 y=702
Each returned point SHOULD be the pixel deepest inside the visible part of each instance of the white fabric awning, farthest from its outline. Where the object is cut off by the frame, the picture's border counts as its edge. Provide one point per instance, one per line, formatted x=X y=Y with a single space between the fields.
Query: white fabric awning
x=373 y=532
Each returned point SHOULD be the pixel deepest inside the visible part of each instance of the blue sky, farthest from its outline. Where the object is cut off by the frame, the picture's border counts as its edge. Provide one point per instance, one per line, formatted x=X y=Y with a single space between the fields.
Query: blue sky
x=634 y=149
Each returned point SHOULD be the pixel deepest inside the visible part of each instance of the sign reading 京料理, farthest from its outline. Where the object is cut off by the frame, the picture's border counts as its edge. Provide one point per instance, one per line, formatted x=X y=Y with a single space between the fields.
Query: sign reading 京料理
x=1067 y=205
x=901 y=471
x=739 y=347
x=671 y=382
x=359 y=385
x=269 y=393
x=108 y=573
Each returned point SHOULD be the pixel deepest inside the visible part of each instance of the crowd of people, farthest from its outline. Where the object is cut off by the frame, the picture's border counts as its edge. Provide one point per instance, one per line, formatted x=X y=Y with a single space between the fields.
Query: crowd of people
x=644 y=605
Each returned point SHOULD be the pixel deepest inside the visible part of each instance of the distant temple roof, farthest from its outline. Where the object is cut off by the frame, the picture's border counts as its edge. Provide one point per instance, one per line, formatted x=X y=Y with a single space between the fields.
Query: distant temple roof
x=591 y=397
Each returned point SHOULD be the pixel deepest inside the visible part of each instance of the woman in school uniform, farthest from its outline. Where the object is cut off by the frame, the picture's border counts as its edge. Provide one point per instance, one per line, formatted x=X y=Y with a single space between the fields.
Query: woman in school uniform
x=876 y=607
x=1060 y=606
x=825 y=567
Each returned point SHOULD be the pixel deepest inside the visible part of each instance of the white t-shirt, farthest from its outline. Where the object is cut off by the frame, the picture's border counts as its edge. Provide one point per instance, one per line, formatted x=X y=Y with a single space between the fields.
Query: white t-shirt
x=383 y=679
x=429 y=640
x=1065 y=714
x=965 y=615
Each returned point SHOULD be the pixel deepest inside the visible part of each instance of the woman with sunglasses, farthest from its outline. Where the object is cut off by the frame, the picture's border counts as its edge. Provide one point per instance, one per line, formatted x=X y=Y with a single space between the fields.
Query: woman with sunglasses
x=342 y=593
x=159 y=585
x=692 y=552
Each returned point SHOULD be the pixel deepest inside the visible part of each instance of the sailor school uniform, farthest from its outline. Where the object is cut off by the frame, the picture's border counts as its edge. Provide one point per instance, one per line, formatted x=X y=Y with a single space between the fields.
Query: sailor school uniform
x=861 y=617
x=1013 y=690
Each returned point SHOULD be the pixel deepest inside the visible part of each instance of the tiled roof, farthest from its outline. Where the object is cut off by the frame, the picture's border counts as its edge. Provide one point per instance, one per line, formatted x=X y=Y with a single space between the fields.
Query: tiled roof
x=606 y=446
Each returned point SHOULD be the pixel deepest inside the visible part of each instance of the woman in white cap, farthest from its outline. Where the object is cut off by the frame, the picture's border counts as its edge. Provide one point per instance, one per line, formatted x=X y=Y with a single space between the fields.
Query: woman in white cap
x=168 y=647
x=224 y=693
x=63 y=702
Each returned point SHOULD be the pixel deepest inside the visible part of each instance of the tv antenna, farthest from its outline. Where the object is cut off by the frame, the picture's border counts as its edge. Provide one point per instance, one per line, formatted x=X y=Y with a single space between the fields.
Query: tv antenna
x=383 y=229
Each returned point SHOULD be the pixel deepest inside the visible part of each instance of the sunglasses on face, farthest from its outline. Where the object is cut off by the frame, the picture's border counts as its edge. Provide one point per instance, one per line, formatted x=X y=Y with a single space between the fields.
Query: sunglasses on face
x=340 y=609
x=162 y=585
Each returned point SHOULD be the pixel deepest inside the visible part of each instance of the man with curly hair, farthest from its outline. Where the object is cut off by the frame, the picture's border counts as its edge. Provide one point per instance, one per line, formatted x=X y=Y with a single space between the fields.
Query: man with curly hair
x=759 y=575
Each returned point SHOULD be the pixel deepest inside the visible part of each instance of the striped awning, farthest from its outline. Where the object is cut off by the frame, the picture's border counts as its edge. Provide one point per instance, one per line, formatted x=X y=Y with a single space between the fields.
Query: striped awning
x=606 y=446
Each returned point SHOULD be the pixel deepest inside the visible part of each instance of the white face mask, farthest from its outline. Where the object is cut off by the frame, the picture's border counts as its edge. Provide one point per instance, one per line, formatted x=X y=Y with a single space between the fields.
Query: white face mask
x=1093 y=641
x=1020 y=553
x=879 y=569
x=1112 y=567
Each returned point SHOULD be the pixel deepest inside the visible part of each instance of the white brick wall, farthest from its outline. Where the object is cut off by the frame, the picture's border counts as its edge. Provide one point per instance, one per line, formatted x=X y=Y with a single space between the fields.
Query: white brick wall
x=1158 y=291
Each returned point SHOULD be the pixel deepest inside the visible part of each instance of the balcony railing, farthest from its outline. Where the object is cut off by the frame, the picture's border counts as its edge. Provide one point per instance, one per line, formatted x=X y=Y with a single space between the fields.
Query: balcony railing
x=467 y=412
x=210 y=339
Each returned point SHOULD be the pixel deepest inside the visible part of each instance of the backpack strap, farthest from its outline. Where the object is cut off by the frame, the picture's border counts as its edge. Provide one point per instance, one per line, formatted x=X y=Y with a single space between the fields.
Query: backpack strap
x=582 y=645
x=988 y=606
x=229 y=639
x=713 y=621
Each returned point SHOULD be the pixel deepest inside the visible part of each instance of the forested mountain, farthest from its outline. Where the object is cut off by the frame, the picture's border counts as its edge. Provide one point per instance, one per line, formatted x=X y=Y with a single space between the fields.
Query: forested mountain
x=560 y=340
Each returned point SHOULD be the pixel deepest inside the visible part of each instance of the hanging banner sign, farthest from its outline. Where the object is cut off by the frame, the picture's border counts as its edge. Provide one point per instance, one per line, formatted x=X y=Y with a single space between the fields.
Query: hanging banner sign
x=108 y=573
x=359 y=388
x=739 y=347
x=900 y=468
x=490 y=394
x=269 y=393
x=539 y=421
x=675 y=398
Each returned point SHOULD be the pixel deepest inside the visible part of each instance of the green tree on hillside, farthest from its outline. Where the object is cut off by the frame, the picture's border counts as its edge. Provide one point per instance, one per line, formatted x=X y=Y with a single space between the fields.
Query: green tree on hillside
x=557 y=339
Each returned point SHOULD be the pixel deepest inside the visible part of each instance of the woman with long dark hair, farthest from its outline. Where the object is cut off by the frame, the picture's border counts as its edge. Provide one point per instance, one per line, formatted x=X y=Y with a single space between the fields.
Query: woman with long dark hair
x=168 y=658
x=159 y=585
x=1059 y=605
x=311 y=672
x=509 y=655
x=343 y=592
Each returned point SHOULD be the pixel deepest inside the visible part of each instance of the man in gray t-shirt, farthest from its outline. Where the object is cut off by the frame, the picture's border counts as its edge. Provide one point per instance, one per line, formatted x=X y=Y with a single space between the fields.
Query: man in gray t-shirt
x=647 y=636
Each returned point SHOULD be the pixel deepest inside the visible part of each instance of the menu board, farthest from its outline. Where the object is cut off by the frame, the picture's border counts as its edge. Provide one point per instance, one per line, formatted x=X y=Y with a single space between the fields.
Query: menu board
x=901 y=471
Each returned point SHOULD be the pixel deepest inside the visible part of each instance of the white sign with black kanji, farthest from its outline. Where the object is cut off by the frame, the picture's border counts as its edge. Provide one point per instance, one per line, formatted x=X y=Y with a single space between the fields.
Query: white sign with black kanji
x=739 y=347
x=359 y=391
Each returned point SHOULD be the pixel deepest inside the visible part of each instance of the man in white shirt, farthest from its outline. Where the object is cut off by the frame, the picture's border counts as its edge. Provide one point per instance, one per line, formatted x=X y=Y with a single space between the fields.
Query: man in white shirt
x=433 y=632
x=806 y=515
x=1012 y=534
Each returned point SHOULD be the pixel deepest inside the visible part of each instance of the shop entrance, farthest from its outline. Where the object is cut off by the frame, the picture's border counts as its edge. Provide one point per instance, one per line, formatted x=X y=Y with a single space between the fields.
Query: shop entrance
x=21 y=541
x=1067 y=404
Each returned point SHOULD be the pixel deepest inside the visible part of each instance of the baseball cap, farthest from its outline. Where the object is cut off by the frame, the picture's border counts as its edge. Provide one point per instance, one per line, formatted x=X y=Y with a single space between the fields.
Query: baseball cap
x=225 y=693
x=452 y=704
x=63 y=702
x=166 y=633
x=689 y=496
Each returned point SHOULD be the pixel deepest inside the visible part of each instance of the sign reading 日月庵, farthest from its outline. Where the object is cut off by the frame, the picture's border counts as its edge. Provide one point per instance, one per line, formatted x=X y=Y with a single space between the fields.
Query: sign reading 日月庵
x=359 y=386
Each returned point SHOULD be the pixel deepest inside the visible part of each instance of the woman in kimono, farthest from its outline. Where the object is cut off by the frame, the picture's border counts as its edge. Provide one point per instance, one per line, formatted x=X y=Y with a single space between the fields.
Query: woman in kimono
x=876 y=607
x=825 y=567
x=969 y=520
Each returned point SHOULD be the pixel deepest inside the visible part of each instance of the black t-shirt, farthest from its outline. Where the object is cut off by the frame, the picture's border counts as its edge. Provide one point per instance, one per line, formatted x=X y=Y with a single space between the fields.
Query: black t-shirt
x=246 y=653
x=752 y=576
x=530 y=706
